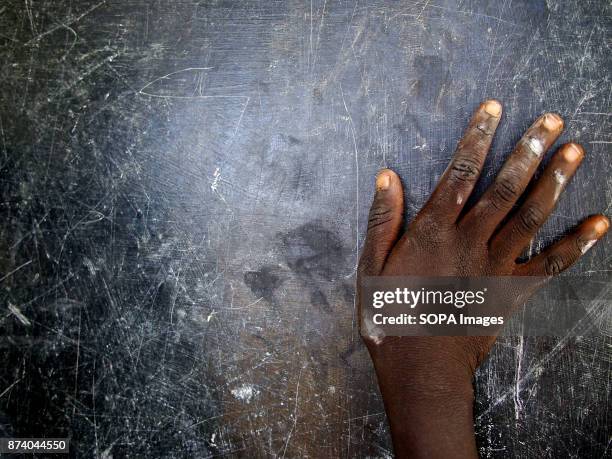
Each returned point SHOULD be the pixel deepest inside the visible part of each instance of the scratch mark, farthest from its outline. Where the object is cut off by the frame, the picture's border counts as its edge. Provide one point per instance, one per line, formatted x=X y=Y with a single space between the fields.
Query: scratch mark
x=76 y=365
x=350 y=118
x=423 y=9
x=30 y=17
x=93 y=400
x=310 y=53
x=6 y=276
x=450 y=10
x=295 y=411
x=493 y=47
x=214 y=185
x=356 y=151
x=248 y=306
x=518 y=404
x=316 y=50
x=5 y=391
x=173 y=96
x=472 y=13
x=248 y=99
x=17 y=313
x=216 y=177
x=533 y=370
x=65 y=25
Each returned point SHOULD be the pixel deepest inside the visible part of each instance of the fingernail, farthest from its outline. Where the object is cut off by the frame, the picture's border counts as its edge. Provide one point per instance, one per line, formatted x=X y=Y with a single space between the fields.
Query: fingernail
x=493 y=107
x=552 y=122
x=383 y=181
x=602 y=226
x=572 y=152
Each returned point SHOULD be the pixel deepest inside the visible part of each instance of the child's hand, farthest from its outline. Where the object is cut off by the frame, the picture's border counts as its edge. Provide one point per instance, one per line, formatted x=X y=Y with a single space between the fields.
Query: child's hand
x=426 y=381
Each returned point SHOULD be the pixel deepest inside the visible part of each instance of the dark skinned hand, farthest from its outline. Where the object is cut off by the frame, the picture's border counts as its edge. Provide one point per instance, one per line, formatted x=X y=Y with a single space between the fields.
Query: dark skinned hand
x=426 y=382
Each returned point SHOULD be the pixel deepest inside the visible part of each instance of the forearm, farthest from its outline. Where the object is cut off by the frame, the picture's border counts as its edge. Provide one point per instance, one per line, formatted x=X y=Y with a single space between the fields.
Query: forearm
x=439 y=428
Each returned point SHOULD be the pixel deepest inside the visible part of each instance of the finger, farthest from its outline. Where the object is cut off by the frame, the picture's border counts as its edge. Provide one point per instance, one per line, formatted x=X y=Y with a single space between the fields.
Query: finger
x=568 y=250
x=384 y=222
x=514 y=176
x=510 y=241
x=461 y=175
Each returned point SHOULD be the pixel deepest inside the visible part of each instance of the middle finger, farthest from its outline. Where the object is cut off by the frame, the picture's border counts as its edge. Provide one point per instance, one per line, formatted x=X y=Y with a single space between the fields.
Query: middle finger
x=514 y=176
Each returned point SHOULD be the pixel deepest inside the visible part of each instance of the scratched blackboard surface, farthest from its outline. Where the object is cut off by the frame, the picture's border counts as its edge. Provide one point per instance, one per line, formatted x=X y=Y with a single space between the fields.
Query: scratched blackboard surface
x=184 y=191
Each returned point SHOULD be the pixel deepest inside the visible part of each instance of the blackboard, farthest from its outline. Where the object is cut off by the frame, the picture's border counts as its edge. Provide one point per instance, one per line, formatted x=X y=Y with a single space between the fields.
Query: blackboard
x=185 y=188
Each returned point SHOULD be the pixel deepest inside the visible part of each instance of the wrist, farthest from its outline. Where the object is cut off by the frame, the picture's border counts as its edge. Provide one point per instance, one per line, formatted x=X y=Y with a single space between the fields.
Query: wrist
x=424 y=368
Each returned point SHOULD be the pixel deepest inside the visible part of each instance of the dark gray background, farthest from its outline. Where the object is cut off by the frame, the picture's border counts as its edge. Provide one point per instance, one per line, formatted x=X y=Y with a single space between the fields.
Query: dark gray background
x=185 y=188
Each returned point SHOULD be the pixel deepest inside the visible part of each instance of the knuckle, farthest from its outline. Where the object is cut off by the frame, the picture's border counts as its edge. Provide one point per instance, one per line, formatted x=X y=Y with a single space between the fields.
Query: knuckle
x=465 y=170
x=554 y=264
x=533 y=145
x=506 y=190
x=379 y=215
x=530 y=218
x=484 y=130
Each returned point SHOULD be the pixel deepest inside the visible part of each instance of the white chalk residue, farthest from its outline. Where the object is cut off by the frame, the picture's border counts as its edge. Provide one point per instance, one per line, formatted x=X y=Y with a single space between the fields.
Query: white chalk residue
x=584 y=248
x=534 y=145
x=245 y=392
x=560 y=179
x=559 y=176
x=371 y=331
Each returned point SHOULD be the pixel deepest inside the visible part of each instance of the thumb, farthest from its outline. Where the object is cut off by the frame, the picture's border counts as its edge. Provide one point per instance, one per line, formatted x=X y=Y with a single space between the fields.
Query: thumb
x=384 y=222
